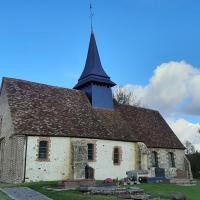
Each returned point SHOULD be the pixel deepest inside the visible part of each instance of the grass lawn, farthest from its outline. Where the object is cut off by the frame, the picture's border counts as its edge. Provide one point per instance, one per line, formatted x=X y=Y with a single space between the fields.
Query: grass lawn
x=3 y=196
x=69 y=195
x=56 y=195
x=162 y=190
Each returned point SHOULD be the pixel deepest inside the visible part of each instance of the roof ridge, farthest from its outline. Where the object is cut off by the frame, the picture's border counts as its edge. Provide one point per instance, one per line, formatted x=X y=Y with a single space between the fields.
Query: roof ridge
x=138 y=107
x=36 y=83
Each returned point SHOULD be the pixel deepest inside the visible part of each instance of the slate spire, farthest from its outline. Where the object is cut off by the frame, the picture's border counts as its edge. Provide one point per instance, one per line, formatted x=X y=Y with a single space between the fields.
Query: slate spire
x=93 y=71
x=94 y=81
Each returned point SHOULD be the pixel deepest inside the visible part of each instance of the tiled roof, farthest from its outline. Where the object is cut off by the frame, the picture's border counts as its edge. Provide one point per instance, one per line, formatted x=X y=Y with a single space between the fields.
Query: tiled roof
x=39 y=109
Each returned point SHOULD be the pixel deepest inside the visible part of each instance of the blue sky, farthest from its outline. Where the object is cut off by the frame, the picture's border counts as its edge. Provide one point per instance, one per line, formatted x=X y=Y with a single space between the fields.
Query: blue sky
x=46 y=41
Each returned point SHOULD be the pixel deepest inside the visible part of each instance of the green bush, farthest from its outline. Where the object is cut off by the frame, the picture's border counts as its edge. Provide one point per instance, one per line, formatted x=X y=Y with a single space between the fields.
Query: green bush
x=194 y=159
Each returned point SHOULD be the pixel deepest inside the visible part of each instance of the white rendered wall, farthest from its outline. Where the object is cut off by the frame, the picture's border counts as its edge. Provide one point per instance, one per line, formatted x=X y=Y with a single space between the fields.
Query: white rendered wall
x=103 y=164
x=59 y=165
x=104 y=167
x=57 y=168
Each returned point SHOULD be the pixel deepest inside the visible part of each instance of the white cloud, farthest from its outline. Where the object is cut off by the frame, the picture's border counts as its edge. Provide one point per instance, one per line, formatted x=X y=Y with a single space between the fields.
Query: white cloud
x=174 y=90
x=174 y=87
x=186 y=131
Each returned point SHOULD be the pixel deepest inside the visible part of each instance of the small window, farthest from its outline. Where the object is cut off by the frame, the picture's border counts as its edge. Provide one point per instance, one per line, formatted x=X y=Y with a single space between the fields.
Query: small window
x=154 y=159
x=43 y=150
x=116 y=156
x=171 y=159
x=90 y=152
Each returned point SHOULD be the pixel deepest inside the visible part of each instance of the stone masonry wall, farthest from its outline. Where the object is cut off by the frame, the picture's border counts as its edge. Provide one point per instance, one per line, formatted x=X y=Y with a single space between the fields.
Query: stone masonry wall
x=103 y=164
x=163 y=161
x=7 y=128
x=79 y=154
x=12 y=147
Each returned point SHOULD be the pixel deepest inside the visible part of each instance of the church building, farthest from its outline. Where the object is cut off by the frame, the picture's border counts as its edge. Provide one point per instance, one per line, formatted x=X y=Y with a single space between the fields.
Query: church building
x=52 y=133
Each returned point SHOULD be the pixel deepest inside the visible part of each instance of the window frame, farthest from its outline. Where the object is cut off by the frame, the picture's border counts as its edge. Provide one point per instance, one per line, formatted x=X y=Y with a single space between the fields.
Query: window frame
x=47 y=158
x=92 y=152
x=154 y=155
x=119 y=155
x=172 y=163
x=43 y=150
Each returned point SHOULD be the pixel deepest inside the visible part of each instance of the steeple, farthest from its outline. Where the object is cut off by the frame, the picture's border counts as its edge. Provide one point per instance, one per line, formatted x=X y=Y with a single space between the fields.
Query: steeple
x=93 y=71
x=94 y=81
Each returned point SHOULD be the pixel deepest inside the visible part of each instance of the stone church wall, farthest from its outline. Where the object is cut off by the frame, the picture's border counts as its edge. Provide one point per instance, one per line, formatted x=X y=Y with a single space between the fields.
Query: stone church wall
x=62 y=164
x=5 y=116
x=56 y=167
x=103 y=163
x=163 y=160
x=63 y=161
x=68 y=158
x=79 y=158
x=11 y=147
x=13 y=163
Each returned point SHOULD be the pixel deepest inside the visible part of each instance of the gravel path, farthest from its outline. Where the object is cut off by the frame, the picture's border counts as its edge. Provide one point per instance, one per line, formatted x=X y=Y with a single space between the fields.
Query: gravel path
x=24 y=193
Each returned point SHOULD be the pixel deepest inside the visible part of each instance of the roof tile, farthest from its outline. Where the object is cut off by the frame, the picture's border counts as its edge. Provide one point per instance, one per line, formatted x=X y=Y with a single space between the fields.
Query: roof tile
x=39 y=109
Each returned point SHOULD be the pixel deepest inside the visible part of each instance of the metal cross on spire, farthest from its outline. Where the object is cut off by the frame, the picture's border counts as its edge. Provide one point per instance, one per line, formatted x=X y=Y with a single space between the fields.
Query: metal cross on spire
x=91 y=16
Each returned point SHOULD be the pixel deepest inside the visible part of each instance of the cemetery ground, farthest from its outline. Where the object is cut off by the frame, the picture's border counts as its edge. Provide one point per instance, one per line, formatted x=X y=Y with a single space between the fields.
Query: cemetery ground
x=157 y=190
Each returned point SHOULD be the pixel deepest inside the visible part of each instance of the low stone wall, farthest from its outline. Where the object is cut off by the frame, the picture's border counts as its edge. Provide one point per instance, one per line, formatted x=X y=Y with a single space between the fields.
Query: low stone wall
x=77 y=183
x=122 y=193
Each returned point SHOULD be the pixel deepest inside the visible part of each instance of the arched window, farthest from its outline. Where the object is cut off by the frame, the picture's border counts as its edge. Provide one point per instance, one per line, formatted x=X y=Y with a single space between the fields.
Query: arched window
x=171 y=159
x=154 y=156
x=116 y=156
x=43 y=150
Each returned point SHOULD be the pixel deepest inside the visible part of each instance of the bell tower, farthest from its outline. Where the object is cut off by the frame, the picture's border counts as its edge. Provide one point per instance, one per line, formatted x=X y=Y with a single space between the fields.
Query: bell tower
x=94 y=81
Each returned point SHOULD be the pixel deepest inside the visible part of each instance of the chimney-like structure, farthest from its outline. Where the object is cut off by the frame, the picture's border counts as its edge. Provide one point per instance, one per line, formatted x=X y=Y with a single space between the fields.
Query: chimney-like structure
x=94 y=81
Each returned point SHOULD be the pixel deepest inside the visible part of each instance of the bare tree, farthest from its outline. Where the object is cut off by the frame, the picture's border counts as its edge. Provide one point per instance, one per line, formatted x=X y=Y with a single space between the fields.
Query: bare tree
x=124 y=96
x=190 y=149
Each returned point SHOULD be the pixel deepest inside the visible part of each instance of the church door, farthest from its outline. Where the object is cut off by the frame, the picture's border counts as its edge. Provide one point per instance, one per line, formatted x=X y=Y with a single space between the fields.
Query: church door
x=89 y=172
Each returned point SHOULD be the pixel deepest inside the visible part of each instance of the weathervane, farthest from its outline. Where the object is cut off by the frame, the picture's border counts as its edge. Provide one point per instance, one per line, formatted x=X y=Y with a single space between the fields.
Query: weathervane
x=91 y=15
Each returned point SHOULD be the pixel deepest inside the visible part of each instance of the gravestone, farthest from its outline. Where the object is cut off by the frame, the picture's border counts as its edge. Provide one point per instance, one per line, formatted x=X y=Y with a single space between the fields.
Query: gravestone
x=159 y=172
